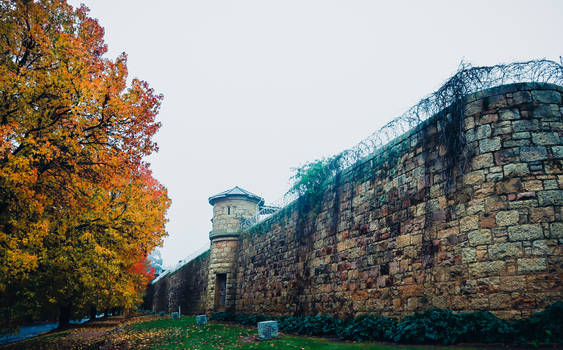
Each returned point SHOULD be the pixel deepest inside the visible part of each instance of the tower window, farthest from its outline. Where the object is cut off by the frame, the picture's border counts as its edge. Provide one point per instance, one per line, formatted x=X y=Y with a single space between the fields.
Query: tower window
x=229 y=210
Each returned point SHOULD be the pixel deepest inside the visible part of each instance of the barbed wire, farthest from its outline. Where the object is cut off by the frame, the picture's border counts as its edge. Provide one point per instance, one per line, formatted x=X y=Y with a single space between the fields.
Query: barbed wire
x=465 y=81
x=267 y=210
x=450 y=95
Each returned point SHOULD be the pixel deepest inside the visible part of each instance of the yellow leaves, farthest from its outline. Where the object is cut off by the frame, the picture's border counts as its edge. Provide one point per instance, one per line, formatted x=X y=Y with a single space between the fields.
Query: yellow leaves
x=78 y=207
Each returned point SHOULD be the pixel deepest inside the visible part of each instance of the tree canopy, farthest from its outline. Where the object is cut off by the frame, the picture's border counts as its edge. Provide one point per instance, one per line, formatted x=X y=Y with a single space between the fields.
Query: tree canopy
x=79 y=207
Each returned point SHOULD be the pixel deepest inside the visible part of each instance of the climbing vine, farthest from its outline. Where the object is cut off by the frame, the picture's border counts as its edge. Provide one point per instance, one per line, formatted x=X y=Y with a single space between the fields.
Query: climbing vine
x=309 y=179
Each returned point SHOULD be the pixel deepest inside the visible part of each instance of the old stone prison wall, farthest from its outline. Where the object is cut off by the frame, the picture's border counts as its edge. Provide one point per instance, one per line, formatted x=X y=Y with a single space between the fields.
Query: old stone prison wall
x=406 y=229
x=186 y=288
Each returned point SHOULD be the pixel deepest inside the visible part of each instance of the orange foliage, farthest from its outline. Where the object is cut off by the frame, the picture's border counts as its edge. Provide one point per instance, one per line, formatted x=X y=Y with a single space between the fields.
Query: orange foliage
x=79 y=209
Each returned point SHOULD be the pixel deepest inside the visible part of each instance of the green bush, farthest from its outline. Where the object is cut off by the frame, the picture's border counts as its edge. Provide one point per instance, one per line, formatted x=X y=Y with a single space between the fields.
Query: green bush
x=319 y=325
x=431 y=327
x=544 y=327
x=249 y=320
x=485 y=327
x=222 y=316
x=290 y=324
x=369 y=327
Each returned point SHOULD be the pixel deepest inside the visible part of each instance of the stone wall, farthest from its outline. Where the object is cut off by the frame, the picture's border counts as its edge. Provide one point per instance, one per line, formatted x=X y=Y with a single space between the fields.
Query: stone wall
x=421 y=224
x=401 y=232
x=186 y=287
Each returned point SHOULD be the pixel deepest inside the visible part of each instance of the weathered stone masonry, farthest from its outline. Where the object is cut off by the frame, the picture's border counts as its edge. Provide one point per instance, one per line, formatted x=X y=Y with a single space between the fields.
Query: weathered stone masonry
x=401 y=232
x=185 y=288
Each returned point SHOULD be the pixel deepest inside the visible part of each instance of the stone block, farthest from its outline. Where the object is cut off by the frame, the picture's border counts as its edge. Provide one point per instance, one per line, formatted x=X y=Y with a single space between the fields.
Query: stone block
x=509 y=114
x=542 y=214
x=507 y=217
x=533 y=185
x=525 y=125
x=520 y=97
x=468 y=123
x=542 y=247
x=474 y=177
x=503 y=128
x=505 y=250
x=523 y=204
x=494 y=177
x=550 y=197
x=487 y=268
x=403 y=240
x=468 y=255
x=488 y=118
x=474 y=107
x=557 y=151
x=525 y=232
x=506 y=156
x=531 y=264
x=497 y=101
x=411 y=290
x=267 y=330
x=545 y=138
x=550 y=184
x=532 y=154
x=482 y=161
x=547 y=96
x=484 y=131
x=556 y=229
x=521 y=135
x=516 y=143
x=489 y=145
x=201 y=320
x=516 y=169
x=500 y=301
x=509 y=186
x=175 y=315
x=512 y=283
x=469 y=223
x=479 y=237
x=542 y=111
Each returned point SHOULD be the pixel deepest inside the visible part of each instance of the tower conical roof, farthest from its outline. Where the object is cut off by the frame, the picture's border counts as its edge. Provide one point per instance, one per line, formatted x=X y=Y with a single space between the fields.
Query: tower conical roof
x=236 y=191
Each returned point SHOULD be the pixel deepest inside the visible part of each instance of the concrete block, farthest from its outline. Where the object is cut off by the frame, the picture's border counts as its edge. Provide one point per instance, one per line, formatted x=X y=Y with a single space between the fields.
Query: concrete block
x=267 y=329
x=201 y=320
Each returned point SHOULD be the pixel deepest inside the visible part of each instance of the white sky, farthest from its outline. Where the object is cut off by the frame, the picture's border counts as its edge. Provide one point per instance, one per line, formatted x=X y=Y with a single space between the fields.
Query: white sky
x=253 y=88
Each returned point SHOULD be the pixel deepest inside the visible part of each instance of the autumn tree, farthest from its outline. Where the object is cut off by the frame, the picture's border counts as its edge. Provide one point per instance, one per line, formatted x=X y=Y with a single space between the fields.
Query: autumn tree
x=79 y=208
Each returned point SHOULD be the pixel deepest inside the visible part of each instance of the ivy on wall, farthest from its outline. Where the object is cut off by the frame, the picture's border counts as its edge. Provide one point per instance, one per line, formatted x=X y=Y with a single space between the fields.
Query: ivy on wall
x=310 y=179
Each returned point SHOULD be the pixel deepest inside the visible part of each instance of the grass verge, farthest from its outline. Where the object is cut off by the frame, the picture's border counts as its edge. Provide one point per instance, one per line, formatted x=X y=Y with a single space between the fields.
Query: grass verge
x=152 y=332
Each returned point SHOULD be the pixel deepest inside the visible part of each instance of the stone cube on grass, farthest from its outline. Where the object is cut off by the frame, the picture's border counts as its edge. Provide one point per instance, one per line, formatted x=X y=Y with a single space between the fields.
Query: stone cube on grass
x=201 y=320
x=267 y=330
x=175 y=315
x=162 y=313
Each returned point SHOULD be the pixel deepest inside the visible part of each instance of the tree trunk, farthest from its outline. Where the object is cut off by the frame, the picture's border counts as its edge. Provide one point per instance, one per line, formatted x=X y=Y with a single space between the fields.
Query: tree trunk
x=64 y=316
x=92 y=313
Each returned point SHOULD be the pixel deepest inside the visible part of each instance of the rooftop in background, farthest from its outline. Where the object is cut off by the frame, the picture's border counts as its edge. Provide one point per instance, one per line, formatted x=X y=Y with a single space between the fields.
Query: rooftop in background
x=236 y=191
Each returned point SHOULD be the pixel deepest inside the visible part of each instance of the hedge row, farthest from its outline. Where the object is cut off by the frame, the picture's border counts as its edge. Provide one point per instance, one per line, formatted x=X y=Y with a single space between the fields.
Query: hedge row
x=431 y=327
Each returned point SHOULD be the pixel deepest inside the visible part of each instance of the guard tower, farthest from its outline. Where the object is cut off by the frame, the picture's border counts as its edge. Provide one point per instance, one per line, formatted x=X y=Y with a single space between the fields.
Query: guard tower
x=229 y=208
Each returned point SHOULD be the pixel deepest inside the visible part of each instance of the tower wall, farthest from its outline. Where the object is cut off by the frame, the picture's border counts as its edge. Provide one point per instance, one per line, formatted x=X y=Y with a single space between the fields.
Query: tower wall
x=227 y=215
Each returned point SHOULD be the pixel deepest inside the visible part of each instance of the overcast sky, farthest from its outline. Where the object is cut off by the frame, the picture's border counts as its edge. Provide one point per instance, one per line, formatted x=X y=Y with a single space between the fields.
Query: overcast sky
x=254 y=88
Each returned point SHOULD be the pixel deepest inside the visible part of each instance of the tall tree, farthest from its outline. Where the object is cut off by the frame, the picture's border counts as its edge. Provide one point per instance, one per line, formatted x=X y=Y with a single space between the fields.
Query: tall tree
x=78 y=206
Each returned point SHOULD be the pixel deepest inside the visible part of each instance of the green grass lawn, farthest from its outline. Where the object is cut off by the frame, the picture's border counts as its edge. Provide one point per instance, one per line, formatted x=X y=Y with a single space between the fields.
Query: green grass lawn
x=183 y=333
